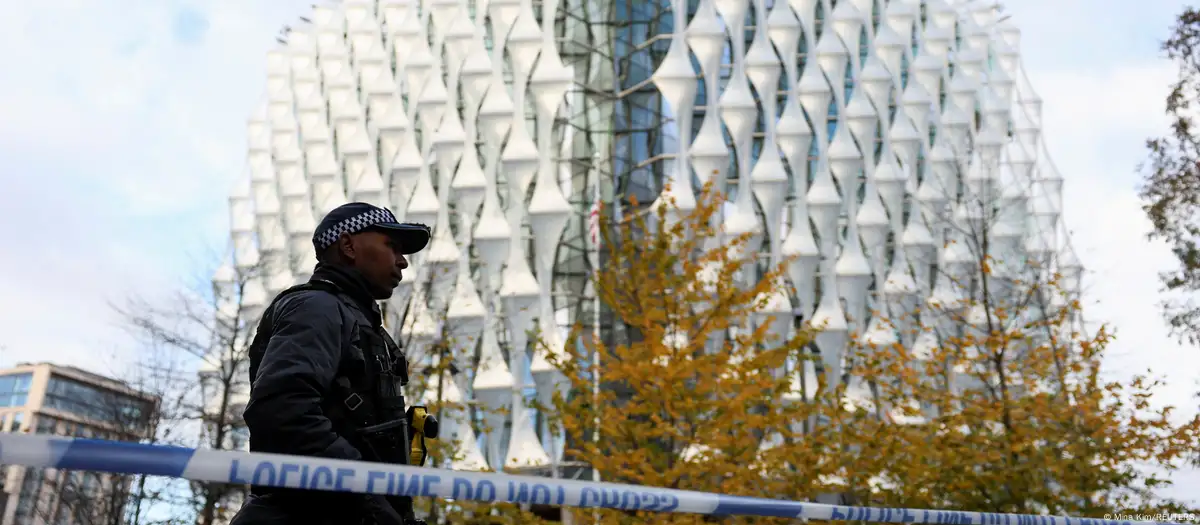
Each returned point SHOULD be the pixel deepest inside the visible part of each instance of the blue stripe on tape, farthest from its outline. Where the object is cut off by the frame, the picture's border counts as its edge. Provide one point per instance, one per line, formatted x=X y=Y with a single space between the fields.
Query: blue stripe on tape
x=113 y=456
x=742 y=506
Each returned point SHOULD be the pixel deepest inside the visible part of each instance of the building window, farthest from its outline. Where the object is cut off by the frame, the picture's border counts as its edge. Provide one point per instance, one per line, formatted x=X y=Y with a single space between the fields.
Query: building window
x=18 y=418
x=14 y=389
x=46 y=425
x=74 y=397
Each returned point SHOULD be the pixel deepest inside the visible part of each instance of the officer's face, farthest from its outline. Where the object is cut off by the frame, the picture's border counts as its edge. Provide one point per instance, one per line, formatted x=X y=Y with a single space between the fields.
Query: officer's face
x=377 y=256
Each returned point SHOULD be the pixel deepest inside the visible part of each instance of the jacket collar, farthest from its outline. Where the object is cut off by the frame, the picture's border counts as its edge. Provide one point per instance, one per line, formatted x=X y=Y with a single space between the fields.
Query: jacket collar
x=353 y=284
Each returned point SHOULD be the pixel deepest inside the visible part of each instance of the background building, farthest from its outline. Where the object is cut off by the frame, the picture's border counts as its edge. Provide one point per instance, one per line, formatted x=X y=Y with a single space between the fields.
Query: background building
x=506 y=127
x=66 y=401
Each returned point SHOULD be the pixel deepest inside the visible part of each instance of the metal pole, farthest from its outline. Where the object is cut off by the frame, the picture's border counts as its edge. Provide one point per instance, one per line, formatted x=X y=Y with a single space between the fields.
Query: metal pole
x=598 y=203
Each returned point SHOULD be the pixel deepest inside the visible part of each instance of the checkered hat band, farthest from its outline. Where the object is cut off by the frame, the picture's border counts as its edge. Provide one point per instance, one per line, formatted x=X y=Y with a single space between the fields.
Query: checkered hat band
x=353 y=225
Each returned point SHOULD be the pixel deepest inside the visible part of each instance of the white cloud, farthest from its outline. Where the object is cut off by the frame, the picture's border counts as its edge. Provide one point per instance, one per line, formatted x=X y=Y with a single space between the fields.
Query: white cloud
x=1097 y=68
x=1095 y=124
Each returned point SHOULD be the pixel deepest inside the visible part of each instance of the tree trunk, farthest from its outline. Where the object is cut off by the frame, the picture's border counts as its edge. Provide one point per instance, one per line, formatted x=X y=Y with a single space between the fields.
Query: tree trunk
x=433 y=508
x=136 y=519
x=212 y=492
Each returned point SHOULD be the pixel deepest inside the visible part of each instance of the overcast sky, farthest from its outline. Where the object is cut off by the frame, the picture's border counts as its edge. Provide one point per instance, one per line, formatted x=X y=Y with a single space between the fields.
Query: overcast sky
x=1097 y=66
x=122 y=127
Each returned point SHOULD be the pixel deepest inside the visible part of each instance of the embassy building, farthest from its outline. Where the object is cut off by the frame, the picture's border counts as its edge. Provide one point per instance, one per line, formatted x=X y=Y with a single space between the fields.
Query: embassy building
x=850 y=135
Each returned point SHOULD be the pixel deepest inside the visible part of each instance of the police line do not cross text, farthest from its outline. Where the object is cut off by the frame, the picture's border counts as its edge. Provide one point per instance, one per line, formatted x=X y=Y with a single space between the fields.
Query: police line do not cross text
x=400 y=481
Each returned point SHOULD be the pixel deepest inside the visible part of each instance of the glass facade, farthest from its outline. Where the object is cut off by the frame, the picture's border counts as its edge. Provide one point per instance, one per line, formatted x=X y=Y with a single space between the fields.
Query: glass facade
x=641 y=114
x=14 y=389
x=638 y=116
x=78 y=398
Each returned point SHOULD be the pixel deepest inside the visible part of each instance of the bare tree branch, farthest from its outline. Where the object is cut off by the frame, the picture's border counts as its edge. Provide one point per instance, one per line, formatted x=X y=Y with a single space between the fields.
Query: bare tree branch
x=207 y=331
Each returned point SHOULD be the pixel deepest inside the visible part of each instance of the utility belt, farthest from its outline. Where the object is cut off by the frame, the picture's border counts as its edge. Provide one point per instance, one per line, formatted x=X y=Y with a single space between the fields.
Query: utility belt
x=403 y=440
x=399 y=440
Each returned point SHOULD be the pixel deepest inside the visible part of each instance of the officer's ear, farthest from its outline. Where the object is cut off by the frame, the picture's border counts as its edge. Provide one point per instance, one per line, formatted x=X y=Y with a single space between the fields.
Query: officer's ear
x=345 y=247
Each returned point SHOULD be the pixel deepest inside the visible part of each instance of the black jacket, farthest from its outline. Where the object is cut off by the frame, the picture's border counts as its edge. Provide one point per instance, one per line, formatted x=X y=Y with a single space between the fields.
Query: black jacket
x=292 y=377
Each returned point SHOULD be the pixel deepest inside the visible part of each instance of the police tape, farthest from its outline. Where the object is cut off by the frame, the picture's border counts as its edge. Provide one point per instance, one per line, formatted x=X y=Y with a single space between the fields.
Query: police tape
x=224 y=466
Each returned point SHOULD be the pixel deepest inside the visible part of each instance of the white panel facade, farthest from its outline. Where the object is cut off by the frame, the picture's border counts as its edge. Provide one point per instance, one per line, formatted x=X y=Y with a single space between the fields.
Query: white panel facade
x=891 y=118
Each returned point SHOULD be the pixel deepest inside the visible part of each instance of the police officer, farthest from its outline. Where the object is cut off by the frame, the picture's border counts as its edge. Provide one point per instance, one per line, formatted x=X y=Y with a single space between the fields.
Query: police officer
x=322 y=368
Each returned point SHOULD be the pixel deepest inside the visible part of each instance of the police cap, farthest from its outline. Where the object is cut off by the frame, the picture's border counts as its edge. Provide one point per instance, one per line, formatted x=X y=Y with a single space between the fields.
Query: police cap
x=357 y=217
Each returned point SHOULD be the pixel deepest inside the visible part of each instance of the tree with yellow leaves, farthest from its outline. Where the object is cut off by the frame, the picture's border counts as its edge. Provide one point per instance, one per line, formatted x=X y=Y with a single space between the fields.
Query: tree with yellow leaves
x=987 y=397
x=999 y=406
x=702 y=394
